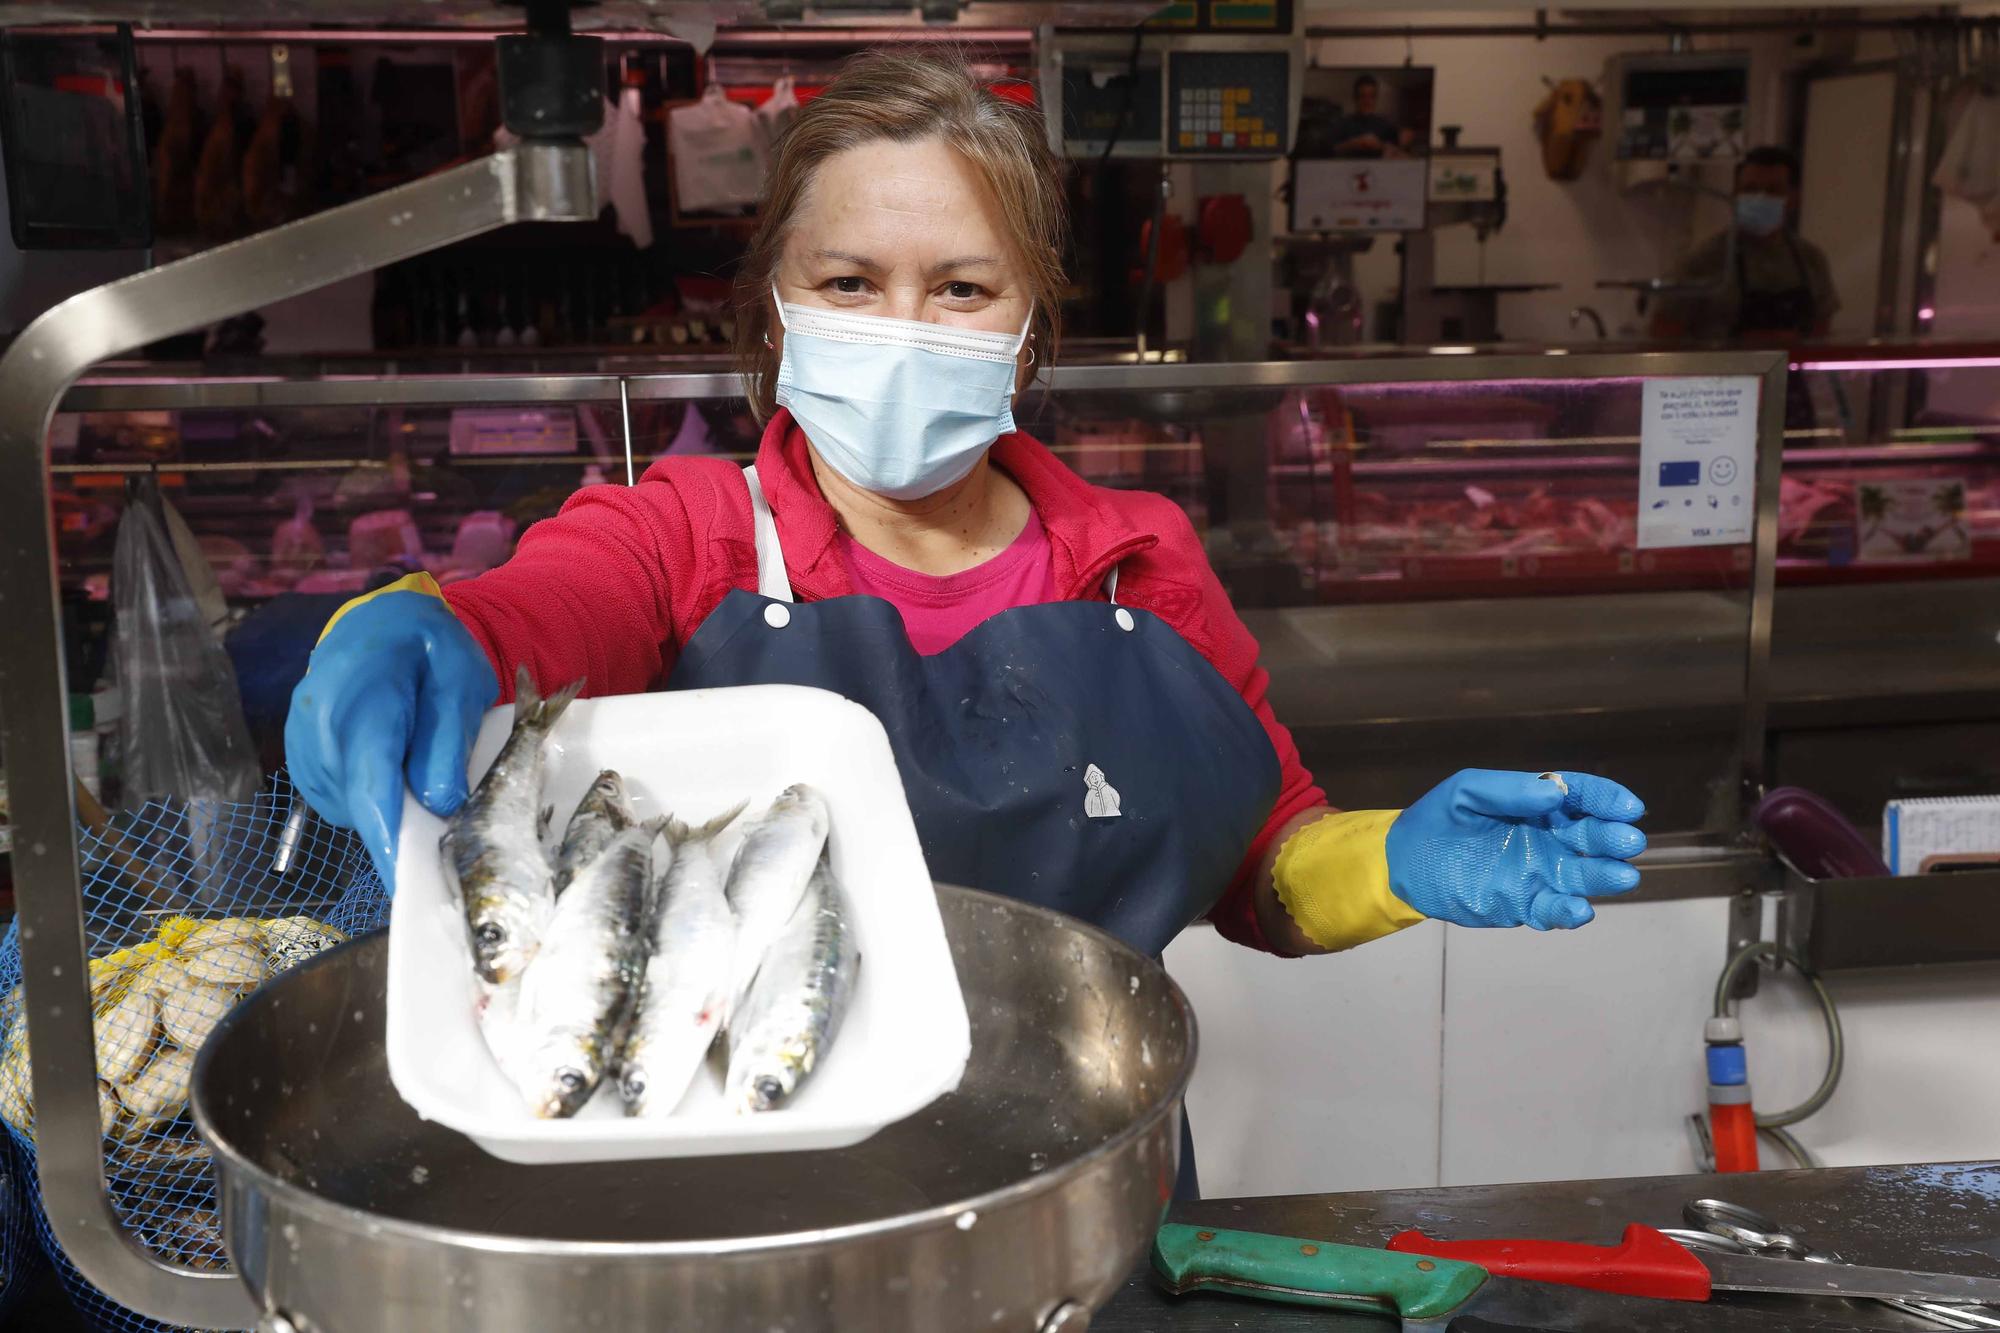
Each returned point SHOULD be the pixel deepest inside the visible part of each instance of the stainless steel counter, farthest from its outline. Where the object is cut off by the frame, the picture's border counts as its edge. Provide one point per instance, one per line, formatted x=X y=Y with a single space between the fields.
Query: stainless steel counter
x=1933 y=1217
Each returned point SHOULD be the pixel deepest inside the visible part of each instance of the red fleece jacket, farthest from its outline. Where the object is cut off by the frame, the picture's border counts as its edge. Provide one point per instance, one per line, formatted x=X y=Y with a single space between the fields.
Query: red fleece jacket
x=611 y=587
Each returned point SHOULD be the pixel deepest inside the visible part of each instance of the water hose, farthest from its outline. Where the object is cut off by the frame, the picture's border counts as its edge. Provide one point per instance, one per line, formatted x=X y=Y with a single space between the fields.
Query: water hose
x=1773 y=1123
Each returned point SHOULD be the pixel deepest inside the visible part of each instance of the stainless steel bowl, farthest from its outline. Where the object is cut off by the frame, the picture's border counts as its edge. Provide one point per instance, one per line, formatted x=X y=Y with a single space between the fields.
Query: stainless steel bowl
x=1019 y=1202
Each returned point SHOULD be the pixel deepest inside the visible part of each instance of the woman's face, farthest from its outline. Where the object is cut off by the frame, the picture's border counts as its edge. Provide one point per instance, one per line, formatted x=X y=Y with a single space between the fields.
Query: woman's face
x=905 y=230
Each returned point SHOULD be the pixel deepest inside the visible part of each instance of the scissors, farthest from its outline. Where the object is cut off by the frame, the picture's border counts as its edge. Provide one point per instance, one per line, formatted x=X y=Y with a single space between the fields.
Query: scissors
x=1730 y=1228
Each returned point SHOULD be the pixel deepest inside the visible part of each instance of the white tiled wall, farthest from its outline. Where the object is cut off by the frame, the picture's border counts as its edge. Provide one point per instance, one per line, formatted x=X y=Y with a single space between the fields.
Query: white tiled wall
x=1448 y=1056
x=1315 y=1074
x=1578 y=1053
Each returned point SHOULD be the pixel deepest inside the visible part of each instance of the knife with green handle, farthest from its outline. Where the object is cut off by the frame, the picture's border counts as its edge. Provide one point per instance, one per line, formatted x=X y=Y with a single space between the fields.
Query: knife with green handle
x=1428 y=1294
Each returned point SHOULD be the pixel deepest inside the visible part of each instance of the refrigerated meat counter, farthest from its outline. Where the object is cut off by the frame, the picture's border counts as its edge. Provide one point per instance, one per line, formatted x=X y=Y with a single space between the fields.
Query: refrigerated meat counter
x=1440 y=554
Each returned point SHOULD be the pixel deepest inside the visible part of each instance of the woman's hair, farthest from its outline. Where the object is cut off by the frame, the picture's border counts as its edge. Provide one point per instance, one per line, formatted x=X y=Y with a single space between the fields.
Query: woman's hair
x=906 y=96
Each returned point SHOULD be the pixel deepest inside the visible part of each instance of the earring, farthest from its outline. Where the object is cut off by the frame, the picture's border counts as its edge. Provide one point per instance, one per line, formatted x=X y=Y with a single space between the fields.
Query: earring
x=767 y=340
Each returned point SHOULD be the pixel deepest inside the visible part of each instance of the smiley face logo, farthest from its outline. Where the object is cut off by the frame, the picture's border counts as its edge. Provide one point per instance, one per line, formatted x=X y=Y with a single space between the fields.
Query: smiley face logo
x=1722 y=471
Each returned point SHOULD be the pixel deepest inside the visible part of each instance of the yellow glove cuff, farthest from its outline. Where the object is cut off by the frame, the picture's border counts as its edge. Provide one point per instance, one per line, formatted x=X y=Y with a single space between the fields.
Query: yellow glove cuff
x=418 y=582
x=1333 y=877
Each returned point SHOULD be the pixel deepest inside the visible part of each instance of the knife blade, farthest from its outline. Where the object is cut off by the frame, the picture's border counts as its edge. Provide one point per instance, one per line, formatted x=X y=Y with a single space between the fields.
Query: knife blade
x=1448 y=1297
x=1648 y=1263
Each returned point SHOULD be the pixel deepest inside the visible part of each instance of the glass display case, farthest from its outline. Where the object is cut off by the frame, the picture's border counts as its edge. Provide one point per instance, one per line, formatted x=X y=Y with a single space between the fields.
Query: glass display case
x=1440 y=556
x=1892 y=466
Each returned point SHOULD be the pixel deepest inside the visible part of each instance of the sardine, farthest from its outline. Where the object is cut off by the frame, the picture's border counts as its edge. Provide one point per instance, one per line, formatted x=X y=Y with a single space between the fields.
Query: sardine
x=793 y=1012
x=558 y=1032
x=772 y=866
x=493 y=854
x=601 y=816
x=691 y=933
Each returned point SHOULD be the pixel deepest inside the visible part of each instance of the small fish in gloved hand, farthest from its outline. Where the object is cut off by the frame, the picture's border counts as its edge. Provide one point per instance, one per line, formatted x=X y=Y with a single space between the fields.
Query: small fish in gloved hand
x=1482 y=848
x=1488 y=848
x=493 y=855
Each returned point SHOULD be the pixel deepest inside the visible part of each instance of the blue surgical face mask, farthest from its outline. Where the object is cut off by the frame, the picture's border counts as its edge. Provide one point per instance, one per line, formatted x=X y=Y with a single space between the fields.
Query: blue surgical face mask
x=1760 y=214
x=900 y=408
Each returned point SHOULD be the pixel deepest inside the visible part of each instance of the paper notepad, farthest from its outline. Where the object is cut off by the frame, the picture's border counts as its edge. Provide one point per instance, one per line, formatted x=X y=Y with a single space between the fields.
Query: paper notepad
x=1915 y=834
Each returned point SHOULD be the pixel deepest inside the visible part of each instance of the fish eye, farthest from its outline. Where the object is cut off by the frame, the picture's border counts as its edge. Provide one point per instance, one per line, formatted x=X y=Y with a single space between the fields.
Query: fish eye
x=570 y=1080
x=490 y=935
x=769 y=1090
x=635 y=1084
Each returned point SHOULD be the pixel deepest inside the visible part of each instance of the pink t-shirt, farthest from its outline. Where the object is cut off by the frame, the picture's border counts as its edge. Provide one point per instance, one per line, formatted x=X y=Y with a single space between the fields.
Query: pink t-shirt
x=937 y=611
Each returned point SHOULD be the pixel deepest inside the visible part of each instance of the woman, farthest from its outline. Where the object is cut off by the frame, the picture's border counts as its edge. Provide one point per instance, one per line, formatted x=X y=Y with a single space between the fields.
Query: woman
x=1076 y=709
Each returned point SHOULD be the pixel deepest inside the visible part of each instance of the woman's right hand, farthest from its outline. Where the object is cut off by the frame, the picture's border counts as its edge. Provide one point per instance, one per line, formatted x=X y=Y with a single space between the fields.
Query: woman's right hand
x=395 y=688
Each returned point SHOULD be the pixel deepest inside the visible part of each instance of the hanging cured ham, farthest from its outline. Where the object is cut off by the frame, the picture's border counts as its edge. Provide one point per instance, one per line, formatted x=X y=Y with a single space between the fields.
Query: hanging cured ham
x=218 y=177
x=173 y=159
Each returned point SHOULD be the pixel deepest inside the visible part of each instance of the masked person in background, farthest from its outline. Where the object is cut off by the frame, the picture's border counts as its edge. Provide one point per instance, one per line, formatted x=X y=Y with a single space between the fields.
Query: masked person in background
x=1077 y=712
x=1776 y=287
x=1365 y=131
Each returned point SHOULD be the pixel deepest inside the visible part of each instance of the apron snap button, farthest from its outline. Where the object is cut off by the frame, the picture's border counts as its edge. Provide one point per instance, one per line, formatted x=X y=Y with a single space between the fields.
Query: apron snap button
x=777 y=615
x=1124 y=619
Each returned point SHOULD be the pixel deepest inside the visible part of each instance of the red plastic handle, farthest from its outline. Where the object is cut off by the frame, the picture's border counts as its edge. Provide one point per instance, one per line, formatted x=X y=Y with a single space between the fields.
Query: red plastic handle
x=1644 y=1263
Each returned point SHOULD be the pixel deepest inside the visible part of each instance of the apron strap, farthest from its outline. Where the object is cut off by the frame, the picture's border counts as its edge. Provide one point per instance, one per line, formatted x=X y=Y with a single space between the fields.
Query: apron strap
x=771 y=579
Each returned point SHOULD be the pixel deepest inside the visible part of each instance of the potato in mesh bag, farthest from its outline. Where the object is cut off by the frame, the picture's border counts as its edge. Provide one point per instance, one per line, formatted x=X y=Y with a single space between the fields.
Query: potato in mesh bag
x=125 y=1027
x=215 y=934
x=239 y=963
x=190 y=1011
x=160 y=1091
x=17 y=1101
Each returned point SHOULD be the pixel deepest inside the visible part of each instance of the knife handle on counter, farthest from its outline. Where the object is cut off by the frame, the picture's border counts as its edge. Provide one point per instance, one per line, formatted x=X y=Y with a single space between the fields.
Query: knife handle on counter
x=1310 y=1272
x=1644 y=1263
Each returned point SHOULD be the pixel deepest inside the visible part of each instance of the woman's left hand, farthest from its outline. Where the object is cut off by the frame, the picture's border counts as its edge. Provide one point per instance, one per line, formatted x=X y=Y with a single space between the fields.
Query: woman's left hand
x=1491 y=848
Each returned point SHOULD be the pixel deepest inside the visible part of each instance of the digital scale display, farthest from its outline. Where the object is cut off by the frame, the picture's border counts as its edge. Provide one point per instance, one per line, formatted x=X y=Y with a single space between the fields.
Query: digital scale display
x=1228 y=103
x=1105 y=101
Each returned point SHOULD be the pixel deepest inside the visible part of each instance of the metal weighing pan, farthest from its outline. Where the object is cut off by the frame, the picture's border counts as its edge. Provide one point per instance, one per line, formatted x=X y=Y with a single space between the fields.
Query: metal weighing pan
x=1019 y=1203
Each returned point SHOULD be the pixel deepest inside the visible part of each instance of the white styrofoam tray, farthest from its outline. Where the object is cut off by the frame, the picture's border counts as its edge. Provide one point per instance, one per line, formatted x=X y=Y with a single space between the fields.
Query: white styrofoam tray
x=695 y=753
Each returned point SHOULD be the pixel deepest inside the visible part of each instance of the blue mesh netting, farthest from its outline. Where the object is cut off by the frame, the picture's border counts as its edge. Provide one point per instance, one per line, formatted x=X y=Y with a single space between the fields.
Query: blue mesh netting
x=20 y=1251
x=184 y=914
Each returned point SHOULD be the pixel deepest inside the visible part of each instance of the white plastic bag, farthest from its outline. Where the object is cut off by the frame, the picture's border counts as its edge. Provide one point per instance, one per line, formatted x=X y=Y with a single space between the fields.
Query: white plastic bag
x=183 y=731
x=1969 y=167
x=780 y=109
x=626 y=129
x=718 y=159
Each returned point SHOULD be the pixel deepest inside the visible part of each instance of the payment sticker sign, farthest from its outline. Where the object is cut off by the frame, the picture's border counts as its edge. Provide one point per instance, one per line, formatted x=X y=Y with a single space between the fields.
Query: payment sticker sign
x=1698 y=461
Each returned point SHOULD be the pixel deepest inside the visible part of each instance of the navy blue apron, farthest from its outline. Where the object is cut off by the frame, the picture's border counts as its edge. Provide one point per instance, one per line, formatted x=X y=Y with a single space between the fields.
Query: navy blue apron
x=1078 y=755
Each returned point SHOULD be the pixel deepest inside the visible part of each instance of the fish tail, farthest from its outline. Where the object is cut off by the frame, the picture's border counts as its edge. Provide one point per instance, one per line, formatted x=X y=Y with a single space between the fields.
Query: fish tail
x=531 y=709
x=680 y=834
x=527 y=699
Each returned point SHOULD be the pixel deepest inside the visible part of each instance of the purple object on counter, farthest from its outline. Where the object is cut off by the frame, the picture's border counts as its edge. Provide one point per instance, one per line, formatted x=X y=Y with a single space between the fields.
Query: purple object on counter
x=1814 y=838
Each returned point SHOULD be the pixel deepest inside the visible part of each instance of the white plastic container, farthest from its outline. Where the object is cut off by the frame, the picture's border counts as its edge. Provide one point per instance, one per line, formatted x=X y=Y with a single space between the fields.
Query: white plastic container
x=695 y=753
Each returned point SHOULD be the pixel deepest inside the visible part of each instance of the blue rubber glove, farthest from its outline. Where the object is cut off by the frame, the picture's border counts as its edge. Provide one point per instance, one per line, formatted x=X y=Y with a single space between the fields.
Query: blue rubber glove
x=396 y=687
x=1487 y=848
